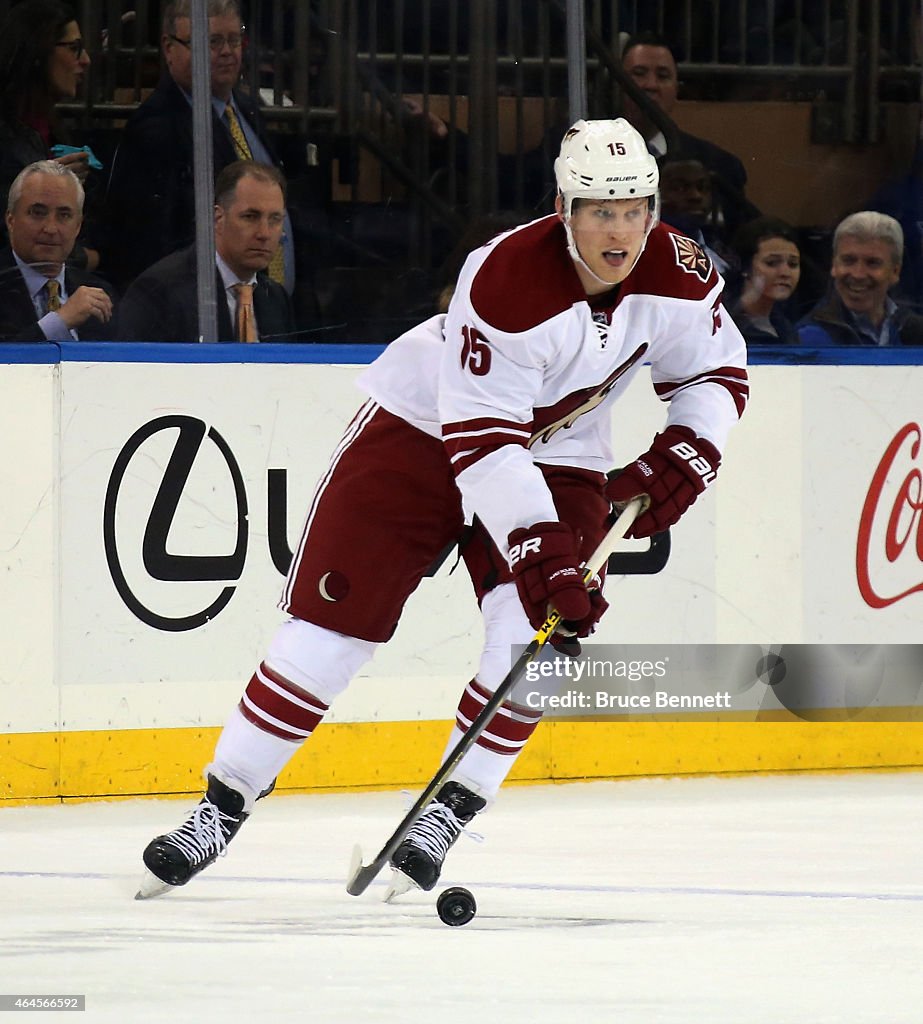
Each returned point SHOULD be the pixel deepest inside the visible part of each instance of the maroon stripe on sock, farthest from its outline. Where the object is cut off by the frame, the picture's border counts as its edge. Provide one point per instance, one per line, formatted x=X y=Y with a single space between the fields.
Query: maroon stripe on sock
x=285 y=706
x=265 y=726
x=504 y=735
x=520 y=709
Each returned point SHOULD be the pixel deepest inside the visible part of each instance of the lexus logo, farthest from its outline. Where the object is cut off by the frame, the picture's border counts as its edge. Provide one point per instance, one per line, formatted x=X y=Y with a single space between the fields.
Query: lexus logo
x=158 y=562
x=154 y=562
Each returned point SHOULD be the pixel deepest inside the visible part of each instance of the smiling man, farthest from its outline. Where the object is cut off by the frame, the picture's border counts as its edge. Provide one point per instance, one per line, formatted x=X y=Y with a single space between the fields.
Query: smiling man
x=858 y=310
x=496 y=414
x=249 y=215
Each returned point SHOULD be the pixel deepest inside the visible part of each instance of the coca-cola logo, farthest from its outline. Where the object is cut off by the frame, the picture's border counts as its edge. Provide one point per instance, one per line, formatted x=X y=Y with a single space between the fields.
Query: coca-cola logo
x=891 y=525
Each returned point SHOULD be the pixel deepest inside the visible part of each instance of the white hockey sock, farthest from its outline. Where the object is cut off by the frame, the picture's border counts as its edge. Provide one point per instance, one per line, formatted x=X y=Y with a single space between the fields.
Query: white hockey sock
x=305 y=667
x=486 y=764
x=480 y=770
x=249 y=756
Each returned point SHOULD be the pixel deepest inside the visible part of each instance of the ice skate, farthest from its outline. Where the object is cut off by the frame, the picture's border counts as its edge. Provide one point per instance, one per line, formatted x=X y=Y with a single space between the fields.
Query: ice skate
x=417 y=862
x=172 y=859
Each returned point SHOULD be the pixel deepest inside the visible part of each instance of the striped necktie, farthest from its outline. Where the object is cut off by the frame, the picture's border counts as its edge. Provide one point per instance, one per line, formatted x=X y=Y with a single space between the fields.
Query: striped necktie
x=243 y=151
x=52 y=291
x=245 y=327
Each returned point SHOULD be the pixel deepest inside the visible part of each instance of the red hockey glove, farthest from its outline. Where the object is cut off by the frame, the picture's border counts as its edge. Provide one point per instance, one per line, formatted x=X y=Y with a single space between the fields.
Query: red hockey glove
x=546 y=567
x=678 y=467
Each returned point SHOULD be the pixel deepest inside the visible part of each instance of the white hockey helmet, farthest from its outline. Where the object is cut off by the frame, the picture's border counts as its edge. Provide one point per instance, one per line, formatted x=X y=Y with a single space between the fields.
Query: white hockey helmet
x=605 y=159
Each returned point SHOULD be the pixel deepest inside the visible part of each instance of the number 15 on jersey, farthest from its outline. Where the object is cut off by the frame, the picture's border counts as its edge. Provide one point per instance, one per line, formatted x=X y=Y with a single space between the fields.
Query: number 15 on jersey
x=475 y=353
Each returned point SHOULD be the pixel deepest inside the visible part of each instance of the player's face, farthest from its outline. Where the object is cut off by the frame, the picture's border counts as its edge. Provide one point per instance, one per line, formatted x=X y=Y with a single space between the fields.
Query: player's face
x=776 y=268
x=43 y=224
x=249 y=230
x=225 y=47
x=608 y=234
x=862 y=272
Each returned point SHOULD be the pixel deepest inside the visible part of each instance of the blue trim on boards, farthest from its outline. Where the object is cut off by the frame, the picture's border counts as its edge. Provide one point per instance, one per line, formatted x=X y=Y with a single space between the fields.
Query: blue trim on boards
x=35 y=352
x=144 y=352
x=336 y=354
x=859 y=355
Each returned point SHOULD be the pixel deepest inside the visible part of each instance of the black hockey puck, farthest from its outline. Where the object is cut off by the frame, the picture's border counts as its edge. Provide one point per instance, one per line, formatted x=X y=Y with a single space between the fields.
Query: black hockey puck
x=456 y=906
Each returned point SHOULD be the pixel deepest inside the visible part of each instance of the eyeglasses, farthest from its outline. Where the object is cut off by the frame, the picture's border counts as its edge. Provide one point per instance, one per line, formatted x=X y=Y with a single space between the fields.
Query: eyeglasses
x=216 y=43
x=75 y=46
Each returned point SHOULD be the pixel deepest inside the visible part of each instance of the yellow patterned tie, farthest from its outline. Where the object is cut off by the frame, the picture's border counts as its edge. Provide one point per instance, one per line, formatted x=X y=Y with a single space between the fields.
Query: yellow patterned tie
x=242 y=149
x=246 y=322
x=52 y=296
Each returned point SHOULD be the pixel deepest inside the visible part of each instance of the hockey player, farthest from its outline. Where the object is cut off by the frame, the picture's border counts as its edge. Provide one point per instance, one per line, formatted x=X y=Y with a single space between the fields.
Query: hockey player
x=492 y=423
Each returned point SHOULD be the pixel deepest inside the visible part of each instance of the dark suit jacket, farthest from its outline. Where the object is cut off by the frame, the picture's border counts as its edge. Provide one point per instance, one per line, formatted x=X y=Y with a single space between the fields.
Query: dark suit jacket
x=150 y=201
x=18 y=321
x=161 y=305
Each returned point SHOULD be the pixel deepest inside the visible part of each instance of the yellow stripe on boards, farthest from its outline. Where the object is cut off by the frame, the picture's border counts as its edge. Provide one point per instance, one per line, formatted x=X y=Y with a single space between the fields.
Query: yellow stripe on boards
x=382 y=755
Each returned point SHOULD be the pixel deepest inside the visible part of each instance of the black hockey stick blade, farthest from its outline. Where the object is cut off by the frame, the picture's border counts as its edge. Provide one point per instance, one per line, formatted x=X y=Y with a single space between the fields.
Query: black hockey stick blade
x=642 y=563
x=362 y=875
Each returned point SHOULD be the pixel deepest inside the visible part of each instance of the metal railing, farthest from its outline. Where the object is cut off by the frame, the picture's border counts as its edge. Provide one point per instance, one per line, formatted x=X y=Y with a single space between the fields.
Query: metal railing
x=326 y=68
x=356 y=86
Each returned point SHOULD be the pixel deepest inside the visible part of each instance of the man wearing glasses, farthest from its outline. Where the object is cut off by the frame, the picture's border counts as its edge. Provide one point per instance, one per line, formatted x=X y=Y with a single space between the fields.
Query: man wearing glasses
x=150 y=205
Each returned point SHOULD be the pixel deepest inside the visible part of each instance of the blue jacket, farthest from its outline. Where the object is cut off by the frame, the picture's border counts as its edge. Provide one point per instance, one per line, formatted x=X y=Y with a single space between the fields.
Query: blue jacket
x=830 y=325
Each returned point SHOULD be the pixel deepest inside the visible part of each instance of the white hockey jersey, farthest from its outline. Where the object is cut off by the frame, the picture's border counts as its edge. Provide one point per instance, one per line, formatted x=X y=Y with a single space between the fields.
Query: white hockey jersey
x=525 y=369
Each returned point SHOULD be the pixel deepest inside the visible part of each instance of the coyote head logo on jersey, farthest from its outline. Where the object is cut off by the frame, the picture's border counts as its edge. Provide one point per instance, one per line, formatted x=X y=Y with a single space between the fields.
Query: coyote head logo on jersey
x=691 y=257
x=565 y=413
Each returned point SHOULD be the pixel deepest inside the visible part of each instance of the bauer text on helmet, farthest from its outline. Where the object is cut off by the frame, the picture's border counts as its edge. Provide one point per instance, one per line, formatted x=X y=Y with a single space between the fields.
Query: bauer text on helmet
x=605 y=162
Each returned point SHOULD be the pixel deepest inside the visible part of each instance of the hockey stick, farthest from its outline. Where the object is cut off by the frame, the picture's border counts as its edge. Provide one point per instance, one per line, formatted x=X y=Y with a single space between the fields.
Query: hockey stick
x=362 y=875
x=642 y=563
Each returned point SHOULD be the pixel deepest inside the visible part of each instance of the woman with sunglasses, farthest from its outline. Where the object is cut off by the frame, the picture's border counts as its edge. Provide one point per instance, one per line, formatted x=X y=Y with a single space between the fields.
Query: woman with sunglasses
x=43 y=61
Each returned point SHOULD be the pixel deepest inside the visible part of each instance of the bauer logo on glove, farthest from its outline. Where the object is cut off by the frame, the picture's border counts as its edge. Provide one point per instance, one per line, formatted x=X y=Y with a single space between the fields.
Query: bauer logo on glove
x=673 y=473
x=696 y=461
x=532 y=546
x=545 y=563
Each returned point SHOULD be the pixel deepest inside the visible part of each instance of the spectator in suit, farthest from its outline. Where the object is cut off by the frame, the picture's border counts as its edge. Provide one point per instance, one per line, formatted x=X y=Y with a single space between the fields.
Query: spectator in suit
x=161 y=305
x=43 y=61
x=41 y=298
x=155 y=155
x=770 y=262
x=867 y=251
x=650 y=63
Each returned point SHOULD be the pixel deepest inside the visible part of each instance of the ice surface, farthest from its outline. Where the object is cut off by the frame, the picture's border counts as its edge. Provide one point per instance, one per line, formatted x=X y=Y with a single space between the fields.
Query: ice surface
x=744 y=900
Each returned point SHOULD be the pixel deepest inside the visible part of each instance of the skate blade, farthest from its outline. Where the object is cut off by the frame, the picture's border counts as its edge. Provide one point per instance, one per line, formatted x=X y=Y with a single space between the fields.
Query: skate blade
x=399 y=884
x=152 y=886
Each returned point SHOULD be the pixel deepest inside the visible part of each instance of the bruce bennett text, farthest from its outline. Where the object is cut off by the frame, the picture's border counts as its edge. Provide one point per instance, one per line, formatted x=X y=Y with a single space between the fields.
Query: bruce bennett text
x=602 y=701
